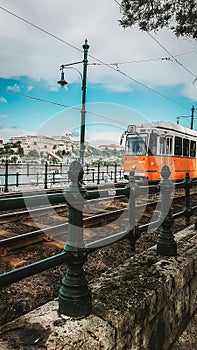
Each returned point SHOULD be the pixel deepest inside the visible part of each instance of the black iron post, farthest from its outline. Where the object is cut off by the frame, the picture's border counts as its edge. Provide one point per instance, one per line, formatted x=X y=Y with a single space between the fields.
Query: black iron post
x=98 y=173
x=115 y=173
x=17 y=177
x=45 y=175
x=187 y=208
x=53 y=177
x=60 y=168
x=6 y=176
x=37 y=178
x=87 y=169
x=166 y=244
x=74 y=295
x=192 y=117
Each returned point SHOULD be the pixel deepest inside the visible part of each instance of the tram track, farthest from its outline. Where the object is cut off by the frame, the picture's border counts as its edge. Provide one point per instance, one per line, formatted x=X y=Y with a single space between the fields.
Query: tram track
x=57 y=234
x=39 y=229
x=11 y=237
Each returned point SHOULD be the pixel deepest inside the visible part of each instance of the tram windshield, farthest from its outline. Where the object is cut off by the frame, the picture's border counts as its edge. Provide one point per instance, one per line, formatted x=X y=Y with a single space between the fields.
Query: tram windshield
x=136 y=144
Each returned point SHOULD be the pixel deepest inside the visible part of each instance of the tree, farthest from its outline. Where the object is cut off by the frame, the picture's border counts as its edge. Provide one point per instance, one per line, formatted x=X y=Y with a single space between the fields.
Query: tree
x=178 y=15
x=33 y=154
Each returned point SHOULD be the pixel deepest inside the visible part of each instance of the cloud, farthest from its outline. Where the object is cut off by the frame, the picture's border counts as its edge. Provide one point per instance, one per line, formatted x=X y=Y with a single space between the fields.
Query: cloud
x=54 y=88
x=30 y=88
x=98 y=138
x=190 y=91
x=14 y=88
x=40 y=57
x=6 y=133
x=2 y=99
x=2 y=116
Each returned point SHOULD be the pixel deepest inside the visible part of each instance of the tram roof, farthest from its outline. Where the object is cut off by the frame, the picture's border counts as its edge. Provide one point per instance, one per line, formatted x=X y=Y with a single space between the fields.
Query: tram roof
x=168 y=126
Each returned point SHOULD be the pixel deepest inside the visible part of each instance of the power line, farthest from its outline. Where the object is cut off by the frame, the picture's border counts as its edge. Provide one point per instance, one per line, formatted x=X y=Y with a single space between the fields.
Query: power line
x=186 y=53
x=11 y=92
x=168 y=58
x=41 y=29
x=133 y=61
x=172 y=56
x=117 y=3
x=97 y=59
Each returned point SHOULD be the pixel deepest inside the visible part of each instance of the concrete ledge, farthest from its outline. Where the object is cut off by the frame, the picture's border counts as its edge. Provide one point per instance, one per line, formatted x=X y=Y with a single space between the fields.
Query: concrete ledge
x=141 y=305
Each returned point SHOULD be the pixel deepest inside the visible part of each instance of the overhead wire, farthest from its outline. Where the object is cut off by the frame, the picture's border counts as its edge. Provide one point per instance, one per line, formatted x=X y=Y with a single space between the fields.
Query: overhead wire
x=172 y=56
x=11 y=92
x=166 y=50
x=97 y=59
x=133 y=61
x=41 y=29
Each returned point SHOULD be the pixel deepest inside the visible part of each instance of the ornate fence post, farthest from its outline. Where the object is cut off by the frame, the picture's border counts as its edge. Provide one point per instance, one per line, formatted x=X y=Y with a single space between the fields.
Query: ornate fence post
x=166 y=244
x=74 y=295
x=187 y=208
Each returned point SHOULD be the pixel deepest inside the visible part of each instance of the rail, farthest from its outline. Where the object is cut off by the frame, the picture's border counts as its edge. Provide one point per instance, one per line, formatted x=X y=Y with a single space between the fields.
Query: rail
x=75 y=295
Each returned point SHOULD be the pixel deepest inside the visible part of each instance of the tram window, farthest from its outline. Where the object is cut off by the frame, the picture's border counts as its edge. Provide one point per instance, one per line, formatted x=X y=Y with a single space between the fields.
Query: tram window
x=136 y=145
x=193 y=149
x=169 y=145
x=152 y=150
x=178 y=146
x=162 y=145
x=186 y=147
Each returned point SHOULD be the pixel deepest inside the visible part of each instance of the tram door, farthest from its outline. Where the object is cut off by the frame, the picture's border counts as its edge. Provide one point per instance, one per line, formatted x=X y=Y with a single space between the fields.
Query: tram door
x=165 y=151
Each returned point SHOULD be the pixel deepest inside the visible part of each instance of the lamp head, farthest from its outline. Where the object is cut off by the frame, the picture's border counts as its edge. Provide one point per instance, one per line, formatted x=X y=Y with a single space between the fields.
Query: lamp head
x=62 y=81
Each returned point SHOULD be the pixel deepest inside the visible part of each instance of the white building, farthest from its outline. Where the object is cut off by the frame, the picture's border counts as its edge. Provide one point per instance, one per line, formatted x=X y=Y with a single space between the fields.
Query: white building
x=111 y=146
x=41 y=143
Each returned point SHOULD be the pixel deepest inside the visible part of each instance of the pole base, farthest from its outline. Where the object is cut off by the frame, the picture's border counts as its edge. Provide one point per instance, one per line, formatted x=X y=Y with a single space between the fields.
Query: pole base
x=75 y=307
x=167 y=249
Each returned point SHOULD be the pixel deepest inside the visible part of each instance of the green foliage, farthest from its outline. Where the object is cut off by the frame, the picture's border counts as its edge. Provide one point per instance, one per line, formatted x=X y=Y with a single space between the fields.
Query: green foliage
x=12 y=148
x=178 y=15
x=33 y=154
x=59 y=153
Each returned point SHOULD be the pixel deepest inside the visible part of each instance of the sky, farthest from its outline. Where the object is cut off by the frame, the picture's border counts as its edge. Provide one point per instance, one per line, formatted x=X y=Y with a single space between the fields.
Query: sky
x=132 y=76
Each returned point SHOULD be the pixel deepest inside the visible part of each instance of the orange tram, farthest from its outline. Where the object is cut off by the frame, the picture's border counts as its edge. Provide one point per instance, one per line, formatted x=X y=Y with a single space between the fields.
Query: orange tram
x=148 y=147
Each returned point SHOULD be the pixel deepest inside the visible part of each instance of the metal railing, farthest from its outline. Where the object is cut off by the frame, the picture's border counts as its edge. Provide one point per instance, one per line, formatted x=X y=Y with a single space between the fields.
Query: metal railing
x=75 y=295
x=17 y=176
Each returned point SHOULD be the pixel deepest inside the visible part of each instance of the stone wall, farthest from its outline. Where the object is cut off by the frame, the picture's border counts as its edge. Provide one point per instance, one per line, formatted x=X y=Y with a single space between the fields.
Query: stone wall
x=142 y=305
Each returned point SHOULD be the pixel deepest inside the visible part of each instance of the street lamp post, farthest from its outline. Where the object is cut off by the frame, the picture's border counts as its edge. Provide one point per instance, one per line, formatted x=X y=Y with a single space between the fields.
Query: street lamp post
x=63 y=82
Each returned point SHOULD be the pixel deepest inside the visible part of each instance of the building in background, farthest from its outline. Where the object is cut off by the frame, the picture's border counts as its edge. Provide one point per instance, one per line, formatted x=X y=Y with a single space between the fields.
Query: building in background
x=43 y=144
